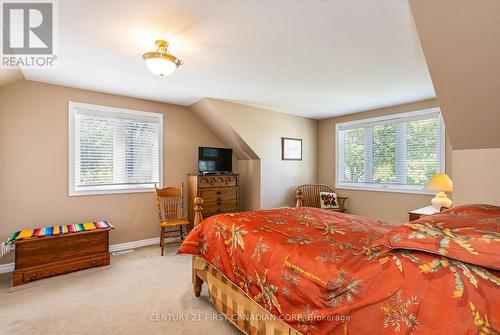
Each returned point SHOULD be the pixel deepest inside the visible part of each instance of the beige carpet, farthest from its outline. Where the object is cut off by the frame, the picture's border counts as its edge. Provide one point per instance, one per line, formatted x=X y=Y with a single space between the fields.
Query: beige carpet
x=128 y=298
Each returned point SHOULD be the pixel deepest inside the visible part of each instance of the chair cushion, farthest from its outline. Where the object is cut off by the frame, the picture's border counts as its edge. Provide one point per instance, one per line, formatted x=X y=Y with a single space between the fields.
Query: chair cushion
x=328 y=200
x=175 y=222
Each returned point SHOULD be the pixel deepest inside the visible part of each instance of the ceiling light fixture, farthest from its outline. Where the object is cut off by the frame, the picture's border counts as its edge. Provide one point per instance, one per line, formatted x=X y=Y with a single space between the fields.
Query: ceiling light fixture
x=161 y=62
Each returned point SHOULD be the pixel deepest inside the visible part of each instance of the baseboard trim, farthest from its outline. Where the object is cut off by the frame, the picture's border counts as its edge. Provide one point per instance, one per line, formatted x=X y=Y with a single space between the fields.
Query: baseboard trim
x=5 y=268
x=134 y=244
x=9 y=267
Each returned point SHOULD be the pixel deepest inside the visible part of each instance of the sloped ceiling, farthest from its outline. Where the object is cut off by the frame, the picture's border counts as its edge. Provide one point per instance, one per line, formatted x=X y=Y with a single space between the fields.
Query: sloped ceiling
x=461 y=43
x=207 y=112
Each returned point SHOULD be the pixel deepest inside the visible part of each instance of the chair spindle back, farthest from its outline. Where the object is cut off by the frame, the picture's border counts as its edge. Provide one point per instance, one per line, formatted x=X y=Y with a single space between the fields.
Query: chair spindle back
x=170 y=203
x=310 y=194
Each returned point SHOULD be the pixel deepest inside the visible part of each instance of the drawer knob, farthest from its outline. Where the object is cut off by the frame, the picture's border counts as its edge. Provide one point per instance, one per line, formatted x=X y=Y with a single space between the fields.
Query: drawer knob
x=33 y=276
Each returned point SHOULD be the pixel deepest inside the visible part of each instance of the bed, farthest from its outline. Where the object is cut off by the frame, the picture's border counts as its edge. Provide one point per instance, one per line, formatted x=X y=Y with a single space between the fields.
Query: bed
x=310 y=271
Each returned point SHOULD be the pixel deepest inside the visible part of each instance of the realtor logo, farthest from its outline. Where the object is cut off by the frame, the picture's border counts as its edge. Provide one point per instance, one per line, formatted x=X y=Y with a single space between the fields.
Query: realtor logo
x=28 y=29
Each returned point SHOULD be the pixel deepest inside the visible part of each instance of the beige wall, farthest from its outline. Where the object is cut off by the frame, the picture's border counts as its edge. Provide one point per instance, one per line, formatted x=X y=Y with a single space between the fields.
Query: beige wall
x=262 y=131
x=476 y=175
x=214 y=119
x=385 y=205
x=250 y=175
x=247 y=163
x=461 y=43
x=34 y=161
x=8 y=76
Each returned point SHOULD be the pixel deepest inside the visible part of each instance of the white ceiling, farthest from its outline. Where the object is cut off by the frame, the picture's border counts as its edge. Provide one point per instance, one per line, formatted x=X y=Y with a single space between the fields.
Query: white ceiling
x=310 y=58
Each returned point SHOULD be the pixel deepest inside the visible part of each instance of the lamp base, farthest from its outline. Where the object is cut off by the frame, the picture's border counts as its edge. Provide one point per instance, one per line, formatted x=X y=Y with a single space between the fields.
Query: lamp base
x=441 y=200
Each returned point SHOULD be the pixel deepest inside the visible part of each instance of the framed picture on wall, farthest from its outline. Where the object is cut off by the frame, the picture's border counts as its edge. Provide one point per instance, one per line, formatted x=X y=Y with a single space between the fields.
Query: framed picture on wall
x=291 y=149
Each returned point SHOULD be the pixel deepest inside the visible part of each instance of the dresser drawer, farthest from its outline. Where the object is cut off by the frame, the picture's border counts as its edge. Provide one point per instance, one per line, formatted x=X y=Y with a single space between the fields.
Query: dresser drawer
x=39 y=272
x=213 y=207
x=217 y=181
x=218 y=194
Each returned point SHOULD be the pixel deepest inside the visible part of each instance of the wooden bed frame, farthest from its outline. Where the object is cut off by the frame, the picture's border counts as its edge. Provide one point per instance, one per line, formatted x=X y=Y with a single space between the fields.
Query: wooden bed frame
x=198 y=275
x=229 y=299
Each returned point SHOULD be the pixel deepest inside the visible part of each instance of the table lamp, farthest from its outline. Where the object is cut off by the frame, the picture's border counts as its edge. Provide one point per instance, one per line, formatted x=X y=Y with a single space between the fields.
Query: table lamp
x=442 y=183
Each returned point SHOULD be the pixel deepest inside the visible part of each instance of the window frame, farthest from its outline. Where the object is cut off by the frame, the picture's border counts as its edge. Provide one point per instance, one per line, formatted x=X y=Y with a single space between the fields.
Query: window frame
x=399 y=188
x=74 y=190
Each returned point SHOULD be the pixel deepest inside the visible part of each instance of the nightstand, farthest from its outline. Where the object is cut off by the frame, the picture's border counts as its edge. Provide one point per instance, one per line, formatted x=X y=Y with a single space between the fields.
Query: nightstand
x=418 y=213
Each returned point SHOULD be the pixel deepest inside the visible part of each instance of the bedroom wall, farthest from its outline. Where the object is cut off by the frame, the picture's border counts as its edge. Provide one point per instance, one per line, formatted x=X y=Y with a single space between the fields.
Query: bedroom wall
x=8 y=76
x=262 y=130
x=460 y=40
x=34 y=161
x=384 y=205
x=476 y=176
x=250 y=176
x=461 y=44
x=247 y=163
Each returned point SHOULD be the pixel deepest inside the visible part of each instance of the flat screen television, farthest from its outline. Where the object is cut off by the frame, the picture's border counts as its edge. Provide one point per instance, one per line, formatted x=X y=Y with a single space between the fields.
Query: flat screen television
x=213 y=160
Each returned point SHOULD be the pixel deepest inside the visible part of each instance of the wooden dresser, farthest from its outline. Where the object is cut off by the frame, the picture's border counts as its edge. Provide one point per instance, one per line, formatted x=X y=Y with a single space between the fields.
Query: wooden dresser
x=220 y=193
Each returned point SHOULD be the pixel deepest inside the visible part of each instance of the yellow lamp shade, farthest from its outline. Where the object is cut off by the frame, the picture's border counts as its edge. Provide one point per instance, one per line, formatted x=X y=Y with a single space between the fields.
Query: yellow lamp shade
x=440 y=182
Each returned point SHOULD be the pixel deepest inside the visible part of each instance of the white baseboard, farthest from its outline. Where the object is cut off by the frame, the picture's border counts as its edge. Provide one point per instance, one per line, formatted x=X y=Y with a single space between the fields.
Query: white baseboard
x=9 y=267
x=134 y=244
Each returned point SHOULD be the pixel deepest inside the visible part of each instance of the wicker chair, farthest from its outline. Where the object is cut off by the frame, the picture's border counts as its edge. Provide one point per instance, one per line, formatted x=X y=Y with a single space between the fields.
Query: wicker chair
x=308 y=196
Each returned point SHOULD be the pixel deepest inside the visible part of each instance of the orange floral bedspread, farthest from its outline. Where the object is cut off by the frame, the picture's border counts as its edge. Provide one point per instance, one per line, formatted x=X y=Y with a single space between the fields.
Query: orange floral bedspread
x=323 y=272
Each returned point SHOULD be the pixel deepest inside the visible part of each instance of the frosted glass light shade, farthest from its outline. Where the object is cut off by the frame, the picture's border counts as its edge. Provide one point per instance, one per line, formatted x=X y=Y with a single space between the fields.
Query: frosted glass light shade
x=161 y=62
x=161 y=66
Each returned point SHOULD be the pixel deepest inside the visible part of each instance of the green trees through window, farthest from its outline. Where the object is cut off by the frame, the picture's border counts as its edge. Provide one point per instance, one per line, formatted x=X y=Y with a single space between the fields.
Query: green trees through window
x=397 y=152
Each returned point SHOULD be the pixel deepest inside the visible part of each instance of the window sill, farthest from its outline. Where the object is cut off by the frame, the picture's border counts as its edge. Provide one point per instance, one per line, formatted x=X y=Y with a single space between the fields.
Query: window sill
x=77 y=193
x=390 y=190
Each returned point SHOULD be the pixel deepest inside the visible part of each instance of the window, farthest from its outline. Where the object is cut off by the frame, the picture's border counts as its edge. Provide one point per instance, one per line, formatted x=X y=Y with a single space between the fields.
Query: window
x=113 y=150
x=393 y=153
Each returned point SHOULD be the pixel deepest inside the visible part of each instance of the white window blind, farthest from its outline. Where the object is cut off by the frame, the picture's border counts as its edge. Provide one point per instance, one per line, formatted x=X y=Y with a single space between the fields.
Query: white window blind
x=114 y=150
x=398 y=152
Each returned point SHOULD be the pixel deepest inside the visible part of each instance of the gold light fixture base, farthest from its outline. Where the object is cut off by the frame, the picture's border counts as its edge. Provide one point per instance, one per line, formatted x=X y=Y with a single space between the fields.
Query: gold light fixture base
x=162 y=53
x=161 y=44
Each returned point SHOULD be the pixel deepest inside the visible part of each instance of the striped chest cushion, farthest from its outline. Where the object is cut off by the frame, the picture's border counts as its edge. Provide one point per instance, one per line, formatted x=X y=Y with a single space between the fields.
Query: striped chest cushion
x=58 y=230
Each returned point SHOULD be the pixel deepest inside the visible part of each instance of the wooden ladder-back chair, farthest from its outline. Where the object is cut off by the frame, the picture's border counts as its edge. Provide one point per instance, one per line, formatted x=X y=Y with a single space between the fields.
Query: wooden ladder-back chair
x=170 y=205
x=308 y=196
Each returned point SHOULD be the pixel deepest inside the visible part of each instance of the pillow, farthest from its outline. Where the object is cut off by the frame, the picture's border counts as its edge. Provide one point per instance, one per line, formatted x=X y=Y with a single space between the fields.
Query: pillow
x=328 y=200
x=469 y=234
x=478 y=209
